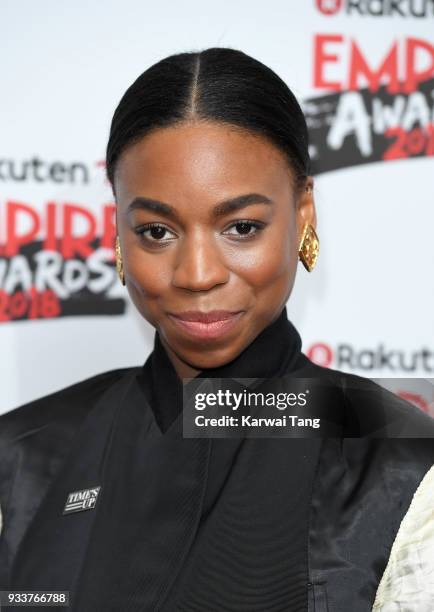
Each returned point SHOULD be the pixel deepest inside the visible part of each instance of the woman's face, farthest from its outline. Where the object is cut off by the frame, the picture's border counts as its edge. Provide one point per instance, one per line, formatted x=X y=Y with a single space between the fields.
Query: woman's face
x=208 y=219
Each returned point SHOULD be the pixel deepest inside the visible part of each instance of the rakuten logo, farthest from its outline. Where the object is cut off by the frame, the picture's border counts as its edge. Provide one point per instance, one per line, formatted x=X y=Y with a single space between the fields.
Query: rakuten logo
x=378 y=8
x=348 y=357
x=329 y=7
x=41 y=171
x=414 y=398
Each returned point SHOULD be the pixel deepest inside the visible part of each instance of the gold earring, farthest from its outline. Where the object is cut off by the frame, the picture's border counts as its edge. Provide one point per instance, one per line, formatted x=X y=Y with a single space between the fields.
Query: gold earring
x=119 y=265
x=309 y=247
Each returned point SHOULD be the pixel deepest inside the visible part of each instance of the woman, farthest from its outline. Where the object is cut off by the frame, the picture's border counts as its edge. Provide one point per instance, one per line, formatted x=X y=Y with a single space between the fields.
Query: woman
x=101 y=493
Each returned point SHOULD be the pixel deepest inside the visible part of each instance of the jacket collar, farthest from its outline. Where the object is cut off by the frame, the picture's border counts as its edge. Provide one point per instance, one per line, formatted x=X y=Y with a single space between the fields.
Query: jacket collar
x=275 y=350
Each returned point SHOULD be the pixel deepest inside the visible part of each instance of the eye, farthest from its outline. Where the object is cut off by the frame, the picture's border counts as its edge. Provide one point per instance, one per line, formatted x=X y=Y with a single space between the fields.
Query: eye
x=244 y=226
x=157 y=232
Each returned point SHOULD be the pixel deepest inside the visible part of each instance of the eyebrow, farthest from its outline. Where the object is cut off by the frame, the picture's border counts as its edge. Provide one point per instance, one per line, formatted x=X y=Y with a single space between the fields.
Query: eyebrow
x=219 y=210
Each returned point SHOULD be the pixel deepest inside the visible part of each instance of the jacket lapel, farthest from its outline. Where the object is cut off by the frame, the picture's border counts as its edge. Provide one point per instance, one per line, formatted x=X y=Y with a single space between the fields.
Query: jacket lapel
x=53 y=547
x=131 y=544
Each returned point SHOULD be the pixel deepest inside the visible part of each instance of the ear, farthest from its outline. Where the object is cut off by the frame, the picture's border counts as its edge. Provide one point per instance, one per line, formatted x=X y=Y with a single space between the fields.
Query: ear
x=116 y=220
x=305 y=208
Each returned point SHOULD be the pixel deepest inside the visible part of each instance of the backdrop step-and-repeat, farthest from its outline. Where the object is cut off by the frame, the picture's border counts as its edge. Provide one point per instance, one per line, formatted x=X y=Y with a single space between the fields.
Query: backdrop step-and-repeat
x=364 y=74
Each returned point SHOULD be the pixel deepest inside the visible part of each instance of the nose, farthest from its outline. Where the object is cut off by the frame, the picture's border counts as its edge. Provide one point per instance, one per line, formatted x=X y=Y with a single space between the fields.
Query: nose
x=199 y=265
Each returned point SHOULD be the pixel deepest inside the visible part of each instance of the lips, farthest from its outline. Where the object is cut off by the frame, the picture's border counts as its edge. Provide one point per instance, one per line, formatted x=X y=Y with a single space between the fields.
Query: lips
x=205 y=317
x=206 y=325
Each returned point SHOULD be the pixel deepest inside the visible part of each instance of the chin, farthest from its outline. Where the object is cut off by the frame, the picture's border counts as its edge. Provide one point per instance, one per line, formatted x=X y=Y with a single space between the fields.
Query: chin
x=211 y=359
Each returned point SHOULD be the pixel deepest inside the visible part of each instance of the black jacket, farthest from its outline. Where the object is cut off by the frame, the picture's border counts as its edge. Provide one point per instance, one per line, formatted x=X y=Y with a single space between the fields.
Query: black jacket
x=252 y=525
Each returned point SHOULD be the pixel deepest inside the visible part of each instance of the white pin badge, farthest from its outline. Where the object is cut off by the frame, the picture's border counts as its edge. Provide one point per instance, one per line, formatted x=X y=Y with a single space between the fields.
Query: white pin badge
x=81 y=500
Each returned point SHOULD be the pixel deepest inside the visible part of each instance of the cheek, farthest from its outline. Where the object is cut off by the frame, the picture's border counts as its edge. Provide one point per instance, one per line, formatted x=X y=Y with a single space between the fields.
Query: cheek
x=149 y=274
x=149 y=278
x=268 y=261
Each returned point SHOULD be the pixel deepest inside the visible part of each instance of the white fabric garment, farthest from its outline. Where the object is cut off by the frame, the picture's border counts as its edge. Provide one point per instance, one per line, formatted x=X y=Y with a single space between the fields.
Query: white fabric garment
x=407 y=584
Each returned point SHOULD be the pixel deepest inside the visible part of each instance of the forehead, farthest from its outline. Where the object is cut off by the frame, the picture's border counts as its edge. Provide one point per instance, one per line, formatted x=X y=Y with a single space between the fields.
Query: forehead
x=201 y=160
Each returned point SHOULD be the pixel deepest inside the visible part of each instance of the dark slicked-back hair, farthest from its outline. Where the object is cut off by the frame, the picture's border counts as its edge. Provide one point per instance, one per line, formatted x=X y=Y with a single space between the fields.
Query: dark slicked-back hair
x=216 y=84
